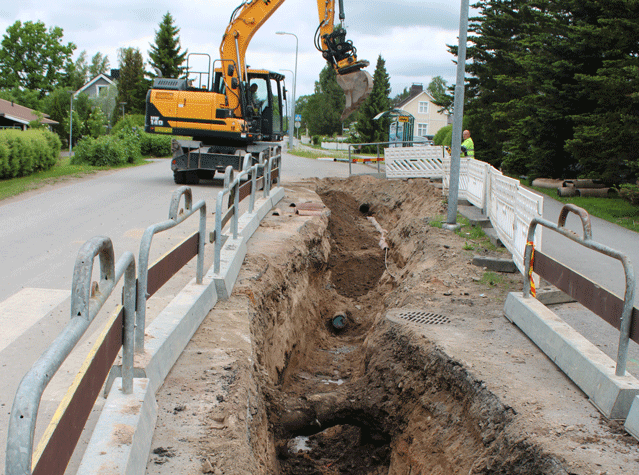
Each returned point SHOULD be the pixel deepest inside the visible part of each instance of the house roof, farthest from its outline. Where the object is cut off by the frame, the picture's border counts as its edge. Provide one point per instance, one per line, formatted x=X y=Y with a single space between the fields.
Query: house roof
x=23 y=115
x=411 y=98
x=106 y=77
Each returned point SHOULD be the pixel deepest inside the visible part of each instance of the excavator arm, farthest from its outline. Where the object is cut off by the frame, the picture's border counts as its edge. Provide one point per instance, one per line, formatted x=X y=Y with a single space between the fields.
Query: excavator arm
x=250 y=15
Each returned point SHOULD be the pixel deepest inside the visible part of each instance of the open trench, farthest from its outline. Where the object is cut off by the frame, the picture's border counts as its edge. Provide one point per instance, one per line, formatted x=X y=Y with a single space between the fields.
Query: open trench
x=346 y=389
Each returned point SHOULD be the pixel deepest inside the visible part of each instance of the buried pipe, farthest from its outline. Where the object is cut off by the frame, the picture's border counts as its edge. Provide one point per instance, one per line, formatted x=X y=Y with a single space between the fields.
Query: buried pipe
x=382 y=241
x=339 y=321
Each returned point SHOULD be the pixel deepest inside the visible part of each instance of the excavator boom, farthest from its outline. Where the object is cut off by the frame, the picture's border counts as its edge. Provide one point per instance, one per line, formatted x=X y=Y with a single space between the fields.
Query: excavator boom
x=330 y=40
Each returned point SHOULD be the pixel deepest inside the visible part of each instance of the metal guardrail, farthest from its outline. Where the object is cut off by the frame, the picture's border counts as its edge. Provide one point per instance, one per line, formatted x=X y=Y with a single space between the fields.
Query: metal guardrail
x=175 y=218
x=84 y=308
x=625 y=322
x=125 y=329
x=233 y=187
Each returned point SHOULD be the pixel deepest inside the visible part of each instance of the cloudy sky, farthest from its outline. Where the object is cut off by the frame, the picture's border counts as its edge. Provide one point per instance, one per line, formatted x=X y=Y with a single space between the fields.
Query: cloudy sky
x=411 y=35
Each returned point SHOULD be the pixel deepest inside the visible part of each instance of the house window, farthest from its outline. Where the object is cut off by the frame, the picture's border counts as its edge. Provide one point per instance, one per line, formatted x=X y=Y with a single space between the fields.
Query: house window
x=423 y=107
x=422 y=130
x=102 y=90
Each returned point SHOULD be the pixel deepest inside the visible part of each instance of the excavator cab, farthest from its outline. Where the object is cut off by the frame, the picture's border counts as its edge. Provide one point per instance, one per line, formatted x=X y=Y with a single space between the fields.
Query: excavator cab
x=261 y=102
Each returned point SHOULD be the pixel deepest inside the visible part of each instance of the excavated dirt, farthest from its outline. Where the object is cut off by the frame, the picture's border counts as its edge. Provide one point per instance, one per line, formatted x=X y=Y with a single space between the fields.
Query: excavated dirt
x=422 y=375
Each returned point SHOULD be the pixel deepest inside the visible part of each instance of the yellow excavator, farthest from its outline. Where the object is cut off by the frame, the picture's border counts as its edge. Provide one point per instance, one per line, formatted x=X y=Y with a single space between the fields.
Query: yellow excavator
x=239 y=110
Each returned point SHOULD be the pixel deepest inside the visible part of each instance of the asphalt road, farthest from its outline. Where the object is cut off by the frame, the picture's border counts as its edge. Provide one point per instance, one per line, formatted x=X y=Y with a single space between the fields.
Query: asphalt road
x=40 y=235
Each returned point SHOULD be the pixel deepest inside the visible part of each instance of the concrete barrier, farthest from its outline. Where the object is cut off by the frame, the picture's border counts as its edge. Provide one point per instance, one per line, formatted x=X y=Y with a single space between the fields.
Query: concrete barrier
x=585 y=364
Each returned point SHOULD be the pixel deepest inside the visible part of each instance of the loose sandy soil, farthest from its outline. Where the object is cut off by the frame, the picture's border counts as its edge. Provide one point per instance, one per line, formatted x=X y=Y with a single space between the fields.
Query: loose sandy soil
x=426 y=377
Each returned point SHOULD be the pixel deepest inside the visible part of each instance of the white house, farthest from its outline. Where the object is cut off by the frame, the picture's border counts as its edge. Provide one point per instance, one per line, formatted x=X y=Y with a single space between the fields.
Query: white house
x=420 y=105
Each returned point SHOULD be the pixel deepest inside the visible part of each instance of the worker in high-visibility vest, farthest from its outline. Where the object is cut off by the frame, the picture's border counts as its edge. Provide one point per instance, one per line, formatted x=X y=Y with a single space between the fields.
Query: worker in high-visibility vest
x=467 y=146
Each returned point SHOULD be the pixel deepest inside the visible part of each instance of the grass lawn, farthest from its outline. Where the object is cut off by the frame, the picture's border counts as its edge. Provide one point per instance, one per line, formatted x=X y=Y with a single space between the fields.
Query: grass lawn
x=59 y=172
x=613 y=209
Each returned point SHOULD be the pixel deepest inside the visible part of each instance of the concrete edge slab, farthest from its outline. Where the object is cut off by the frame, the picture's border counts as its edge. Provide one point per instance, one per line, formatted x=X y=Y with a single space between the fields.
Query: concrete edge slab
x=170 y=332
x=496 y=264
x=121 y=441
x=552 y=296
x=632 y=421
x=248 y=224
x=585 y=364
x=231 y=259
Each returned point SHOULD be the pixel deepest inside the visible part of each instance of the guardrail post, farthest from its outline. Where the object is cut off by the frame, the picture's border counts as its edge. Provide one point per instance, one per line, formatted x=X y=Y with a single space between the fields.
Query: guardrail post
x=236 y=206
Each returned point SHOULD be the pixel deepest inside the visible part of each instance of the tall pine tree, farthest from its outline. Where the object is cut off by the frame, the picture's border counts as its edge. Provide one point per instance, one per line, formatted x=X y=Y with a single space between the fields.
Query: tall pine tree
x=165 y=53
x=132 y=86
x=606 y=137
x=368 y=129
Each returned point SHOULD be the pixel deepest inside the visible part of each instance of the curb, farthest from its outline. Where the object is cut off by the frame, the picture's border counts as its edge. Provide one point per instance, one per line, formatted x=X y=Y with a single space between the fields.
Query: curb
x=121 y=440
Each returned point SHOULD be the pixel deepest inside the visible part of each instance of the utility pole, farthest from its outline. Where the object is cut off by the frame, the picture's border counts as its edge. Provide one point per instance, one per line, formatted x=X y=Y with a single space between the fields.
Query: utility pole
x=455 y=146
x=71 y=126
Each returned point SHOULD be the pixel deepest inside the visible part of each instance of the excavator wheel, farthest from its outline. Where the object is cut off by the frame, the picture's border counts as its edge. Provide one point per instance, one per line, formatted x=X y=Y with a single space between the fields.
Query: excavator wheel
x=357 y=86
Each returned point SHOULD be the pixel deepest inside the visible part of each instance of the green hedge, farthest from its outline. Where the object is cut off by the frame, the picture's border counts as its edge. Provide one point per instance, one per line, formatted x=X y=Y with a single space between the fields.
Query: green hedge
x=25 y=152
x=107 y=151
x=155 y=145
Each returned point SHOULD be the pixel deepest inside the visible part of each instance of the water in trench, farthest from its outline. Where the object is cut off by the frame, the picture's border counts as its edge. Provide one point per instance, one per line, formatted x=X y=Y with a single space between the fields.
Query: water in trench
x=357 y=393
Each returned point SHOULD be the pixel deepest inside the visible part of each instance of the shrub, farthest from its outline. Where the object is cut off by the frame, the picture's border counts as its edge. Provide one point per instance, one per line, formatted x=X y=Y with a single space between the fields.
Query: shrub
x=25 y=152
x=317 y=139
x=100 y=152
x=630 y=193
x=155 y=145
x=128 y=123
x=442 y=134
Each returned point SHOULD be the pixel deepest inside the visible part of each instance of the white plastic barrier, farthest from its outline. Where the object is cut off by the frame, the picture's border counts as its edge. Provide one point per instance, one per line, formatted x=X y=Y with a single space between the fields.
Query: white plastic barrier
x=508 y=205
x=414 y=162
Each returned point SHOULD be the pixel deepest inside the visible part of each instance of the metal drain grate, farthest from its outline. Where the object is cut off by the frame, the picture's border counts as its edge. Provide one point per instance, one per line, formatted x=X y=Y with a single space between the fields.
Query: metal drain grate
x=425 y=318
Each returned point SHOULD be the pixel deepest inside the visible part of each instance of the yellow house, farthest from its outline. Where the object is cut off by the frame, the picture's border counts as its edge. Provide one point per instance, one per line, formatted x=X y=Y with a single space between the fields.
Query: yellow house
x=420 y=105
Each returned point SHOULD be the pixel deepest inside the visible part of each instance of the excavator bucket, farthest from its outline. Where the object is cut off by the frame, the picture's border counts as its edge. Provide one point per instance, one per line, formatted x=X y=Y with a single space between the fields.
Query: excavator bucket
x=357 y=86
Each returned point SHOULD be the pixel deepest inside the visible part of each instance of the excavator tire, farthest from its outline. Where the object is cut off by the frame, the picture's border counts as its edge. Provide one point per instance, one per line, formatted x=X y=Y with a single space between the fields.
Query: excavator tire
x=179 y=178
x=357 y=86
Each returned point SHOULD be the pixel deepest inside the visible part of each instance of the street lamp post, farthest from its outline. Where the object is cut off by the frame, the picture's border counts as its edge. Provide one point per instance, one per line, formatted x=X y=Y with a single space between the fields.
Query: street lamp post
x=292 y=118
x=71 y=126
x=123 y=104
x=291 y=114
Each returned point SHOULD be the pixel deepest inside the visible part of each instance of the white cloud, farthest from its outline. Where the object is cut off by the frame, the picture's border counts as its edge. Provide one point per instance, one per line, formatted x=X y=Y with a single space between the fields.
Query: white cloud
x=411 y=35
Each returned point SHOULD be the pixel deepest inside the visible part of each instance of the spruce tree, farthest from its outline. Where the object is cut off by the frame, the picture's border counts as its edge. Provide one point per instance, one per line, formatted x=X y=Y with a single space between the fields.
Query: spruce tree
x=165 y=53
x=132 y=87
x=368 y=129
